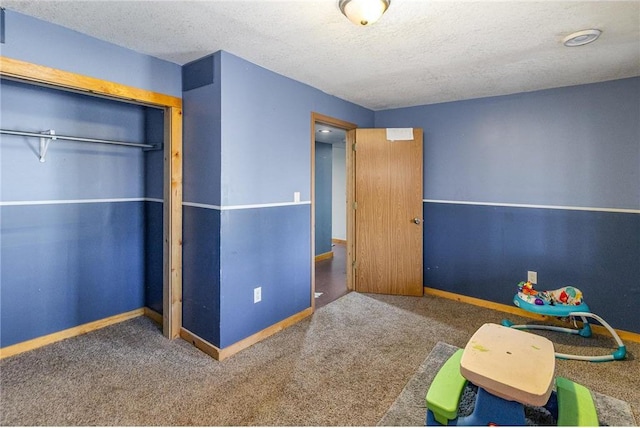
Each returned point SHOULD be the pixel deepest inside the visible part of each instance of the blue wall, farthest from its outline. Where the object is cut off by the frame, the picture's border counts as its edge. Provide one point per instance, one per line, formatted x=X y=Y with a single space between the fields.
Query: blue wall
x=266 y=152
x=153 y=210
x=324 y=161
x=573 y=146
x=201 y=272
x=266 y=247
x=39 y=42
x=547 y=181
x=65 y=260
x=201 y=186
x=266 y=157
x=247 y=149
x=78 y=234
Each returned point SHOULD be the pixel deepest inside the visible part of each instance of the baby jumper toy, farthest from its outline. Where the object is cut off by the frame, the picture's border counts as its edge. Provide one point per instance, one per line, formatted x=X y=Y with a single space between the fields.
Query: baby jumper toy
x=563 y=302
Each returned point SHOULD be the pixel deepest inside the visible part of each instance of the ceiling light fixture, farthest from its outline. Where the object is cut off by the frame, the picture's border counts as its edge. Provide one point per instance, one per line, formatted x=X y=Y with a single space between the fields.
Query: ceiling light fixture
x=363 y=12
x=580 y=38
x=324 y=131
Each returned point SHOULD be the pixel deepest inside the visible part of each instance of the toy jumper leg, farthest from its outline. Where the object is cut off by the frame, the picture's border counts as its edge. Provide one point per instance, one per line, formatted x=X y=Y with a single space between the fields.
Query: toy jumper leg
x=585 y=331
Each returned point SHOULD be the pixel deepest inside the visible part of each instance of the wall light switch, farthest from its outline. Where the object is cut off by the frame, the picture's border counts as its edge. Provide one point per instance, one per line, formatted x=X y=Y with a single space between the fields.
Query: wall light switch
x=296 y=196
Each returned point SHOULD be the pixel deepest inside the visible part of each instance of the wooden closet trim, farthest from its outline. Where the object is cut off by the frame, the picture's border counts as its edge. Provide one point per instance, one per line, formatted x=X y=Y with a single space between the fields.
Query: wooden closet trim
x=40 y=74
x=172 y=280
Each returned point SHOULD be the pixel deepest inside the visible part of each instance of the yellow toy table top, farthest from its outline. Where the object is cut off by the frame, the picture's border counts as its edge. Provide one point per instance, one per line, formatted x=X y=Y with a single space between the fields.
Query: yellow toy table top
x=511 y=364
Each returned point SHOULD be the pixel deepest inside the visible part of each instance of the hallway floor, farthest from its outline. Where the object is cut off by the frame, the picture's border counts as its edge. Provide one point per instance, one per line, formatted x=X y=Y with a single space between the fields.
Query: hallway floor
x=331 y=276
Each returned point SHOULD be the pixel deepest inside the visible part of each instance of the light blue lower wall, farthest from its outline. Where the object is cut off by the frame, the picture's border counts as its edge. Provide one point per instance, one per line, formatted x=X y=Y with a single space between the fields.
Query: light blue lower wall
x=484 y=251
x=268 y=247
x=68 y=264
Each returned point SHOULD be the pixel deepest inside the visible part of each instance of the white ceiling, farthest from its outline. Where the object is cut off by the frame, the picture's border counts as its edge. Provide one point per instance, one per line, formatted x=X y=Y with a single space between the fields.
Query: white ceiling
x=420 y=52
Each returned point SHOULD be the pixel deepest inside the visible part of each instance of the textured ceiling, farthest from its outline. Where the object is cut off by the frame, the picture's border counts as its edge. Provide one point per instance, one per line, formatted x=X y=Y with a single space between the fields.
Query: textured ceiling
x=420 y=52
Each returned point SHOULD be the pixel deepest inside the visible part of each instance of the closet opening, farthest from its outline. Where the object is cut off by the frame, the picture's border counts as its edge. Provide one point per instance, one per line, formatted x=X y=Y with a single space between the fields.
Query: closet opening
x=91 y=230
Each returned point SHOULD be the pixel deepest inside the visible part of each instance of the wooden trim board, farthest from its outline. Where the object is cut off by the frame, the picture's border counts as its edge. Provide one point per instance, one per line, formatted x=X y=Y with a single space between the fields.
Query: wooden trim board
x=339 y=241
x=221 y=354
x=172 y=282
x=172 y=223
x=514 y=310
x=153 y=315
x=332 y=121
x=324 y=256
x=351 y=213
x=38 y=342
x=39 y=74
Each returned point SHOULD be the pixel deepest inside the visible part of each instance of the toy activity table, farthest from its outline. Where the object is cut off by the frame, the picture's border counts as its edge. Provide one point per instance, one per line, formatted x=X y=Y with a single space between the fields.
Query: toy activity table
x=510 y=364
x=511 y=368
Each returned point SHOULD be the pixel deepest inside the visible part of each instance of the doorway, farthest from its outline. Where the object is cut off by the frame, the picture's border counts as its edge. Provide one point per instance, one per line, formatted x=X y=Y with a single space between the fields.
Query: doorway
x=328 y=208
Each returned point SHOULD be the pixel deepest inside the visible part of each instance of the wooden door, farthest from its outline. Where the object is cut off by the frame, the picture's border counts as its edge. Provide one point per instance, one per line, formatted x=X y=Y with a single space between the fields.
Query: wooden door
x=387 y=213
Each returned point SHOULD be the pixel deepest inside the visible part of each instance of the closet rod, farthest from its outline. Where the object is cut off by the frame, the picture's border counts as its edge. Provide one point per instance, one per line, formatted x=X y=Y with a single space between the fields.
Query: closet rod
x=86 y=140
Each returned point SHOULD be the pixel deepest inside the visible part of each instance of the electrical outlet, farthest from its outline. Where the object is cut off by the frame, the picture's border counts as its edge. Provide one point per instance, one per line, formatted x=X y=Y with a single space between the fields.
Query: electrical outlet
x=532 y=277
x=296 y=196
x=257 y=294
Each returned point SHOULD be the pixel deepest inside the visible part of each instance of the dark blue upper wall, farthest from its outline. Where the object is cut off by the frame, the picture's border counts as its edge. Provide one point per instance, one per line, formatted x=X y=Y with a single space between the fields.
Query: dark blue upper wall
x=39 y=42
x=573 y=146
x=266 y=147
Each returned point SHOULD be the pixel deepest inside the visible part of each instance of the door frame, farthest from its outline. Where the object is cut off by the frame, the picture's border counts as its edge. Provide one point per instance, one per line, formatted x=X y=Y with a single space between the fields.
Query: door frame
x=318 y=118
x=23 y=71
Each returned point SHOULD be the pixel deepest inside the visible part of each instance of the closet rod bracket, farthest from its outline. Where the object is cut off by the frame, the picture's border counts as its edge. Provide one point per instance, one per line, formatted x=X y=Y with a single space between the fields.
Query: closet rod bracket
x=45 y=141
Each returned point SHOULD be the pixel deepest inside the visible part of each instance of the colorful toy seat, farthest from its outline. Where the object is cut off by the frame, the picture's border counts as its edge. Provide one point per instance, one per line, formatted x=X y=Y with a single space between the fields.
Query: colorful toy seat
x=563 y=302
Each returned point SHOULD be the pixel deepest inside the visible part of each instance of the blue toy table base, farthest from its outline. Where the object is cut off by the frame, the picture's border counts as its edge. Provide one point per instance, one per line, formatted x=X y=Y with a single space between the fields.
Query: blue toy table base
x=488 y=409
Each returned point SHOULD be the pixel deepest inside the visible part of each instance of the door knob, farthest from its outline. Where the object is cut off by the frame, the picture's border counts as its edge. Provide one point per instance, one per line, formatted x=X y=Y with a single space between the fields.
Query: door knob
x=416 y=220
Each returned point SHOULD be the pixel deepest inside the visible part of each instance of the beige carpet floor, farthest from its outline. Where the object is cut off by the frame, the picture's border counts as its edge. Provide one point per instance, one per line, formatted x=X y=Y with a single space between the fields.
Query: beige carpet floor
x=346 y=365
